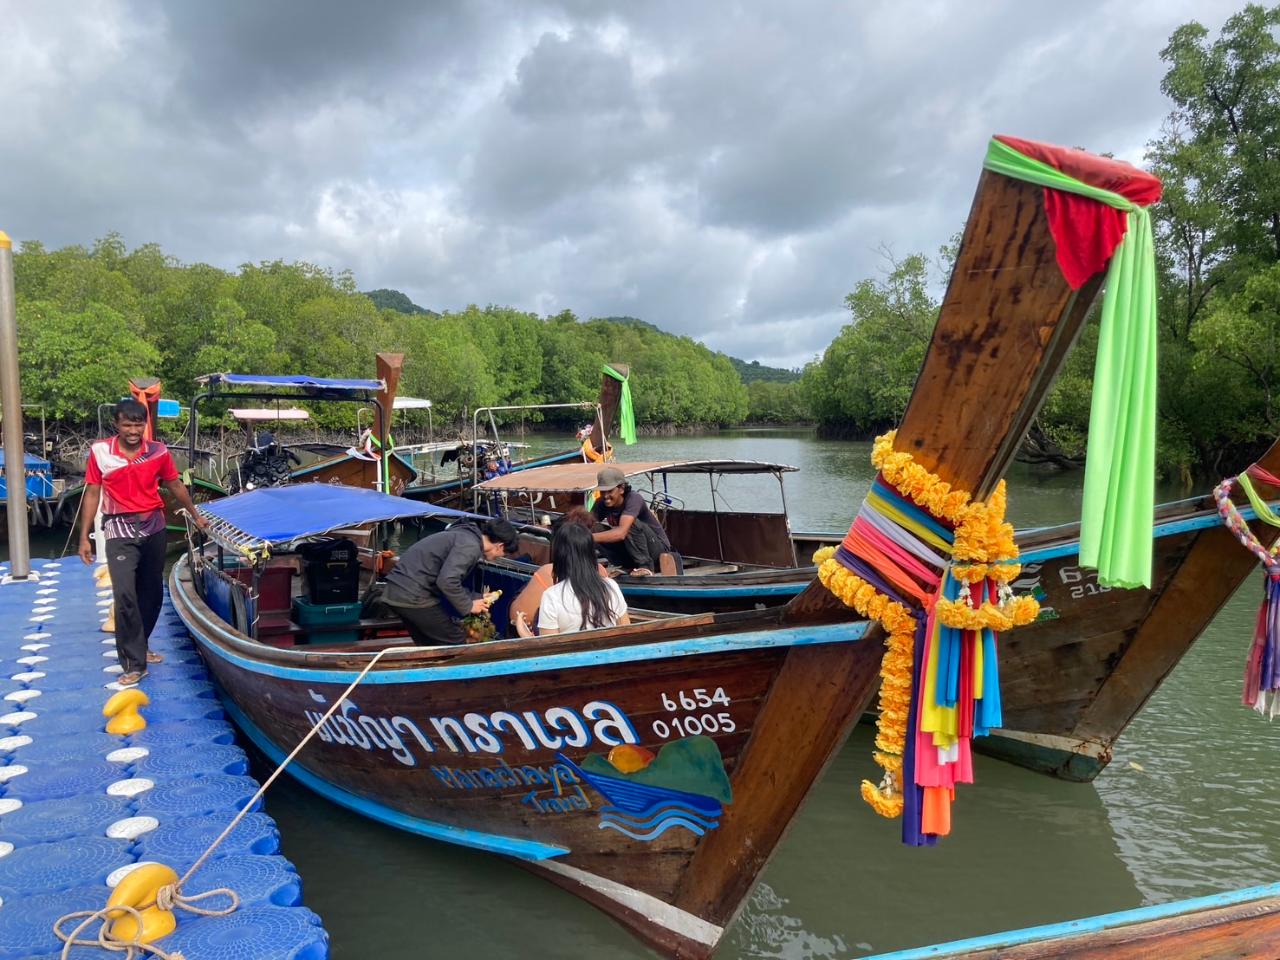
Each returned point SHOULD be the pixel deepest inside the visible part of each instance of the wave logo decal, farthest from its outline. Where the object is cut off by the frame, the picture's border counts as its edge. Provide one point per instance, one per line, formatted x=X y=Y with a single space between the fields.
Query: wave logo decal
x=684 y=786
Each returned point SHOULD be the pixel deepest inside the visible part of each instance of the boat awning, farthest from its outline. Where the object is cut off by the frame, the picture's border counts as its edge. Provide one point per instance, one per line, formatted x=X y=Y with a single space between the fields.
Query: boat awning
x=581 y=477
x=278 y=517
x=29 y=461
x=263 y=413
x=411 y=403
x=299 y=382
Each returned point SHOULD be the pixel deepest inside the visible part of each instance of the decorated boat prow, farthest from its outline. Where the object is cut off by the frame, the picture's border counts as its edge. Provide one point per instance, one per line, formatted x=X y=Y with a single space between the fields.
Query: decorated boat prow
x=587 y=756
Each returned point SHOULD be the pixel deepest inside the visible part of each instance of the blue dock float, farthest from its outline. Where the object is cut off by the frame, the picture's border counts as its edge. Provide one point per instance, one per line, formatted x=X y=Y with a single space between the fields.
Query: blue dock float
x=80 y=808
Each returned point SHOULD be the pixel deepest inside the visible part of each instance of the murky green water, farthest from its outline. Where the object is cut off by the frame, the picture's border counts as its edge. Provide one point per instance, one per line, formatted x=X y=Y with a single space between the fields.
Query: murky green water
x=1186 y=808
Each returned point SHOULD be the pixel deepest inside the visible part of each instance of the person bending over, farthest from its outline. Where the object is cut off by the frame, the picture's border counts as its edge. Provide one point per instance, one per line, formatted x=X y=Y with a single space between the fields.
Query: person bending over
x=580 y=599
x=426 y=587
x=124 y=476
x=632 y=537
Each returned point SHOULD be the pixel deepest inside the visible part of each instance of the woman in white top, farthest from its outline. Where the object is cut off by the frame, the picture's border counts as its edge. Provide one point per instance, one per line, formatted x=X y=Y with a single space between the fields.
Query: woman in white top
x=579 y=598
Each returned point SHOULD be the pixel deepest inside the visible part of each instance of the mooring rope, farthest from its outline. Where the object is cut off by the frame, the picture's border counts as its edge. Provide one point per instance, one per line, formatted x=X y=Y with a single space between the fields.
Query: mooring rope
x=170 y=895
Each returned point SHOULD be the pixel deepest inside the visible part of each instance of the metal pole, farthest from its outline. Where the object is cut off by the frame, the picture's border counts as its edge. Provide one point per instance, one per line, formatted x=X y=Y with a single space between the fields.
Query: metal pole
x=11 y=403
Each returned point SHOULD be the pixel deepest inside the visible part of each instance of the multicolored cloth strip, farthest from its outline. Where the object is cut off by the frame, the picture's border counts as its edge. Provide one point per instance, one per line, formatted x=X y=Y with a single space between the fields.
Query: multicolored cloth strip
x=1119 y=484
x=1262 y=668
x=905 y=554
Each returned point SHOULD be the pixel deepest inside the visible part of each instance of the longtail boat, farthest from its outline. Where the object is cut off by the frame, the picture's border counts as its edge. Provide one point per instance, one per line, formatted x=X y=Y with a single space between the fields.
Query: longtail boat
x=459 y=491
x=653 y=769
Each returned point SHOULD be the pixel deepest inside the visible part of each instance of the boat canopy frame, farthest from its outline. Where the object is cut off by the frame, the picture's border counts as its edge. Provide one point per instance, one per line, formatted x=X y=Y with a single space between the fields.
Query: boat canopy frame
x=580 y=478
x=262 y=387
x=523 y=408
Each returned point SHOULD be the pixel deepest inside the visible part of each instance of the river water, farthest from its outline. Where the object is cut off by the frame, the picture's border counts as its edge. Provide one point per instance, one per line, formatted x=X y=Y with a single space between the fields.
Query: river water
x=1185 y=808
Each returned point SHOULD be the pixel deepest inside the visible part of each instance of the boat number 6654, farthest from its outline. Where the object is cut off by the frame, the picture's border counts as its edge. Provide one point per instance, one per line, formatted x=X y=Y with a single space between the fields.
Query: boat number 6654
x=692 y=724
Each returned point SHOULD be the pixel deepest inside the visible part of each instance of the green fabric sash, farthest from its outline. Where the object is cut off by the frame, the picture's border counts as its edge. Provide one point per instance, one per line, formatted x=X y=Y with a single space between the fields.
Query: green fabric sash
x=1260 y=506
x=1119 y=478
x=626 y=412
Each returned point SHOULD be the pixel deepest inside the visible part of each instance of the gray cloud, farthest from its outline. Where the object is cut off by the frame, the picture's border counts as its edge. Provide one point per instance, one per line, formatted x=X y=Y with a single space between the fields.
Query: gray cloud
x=726 y=172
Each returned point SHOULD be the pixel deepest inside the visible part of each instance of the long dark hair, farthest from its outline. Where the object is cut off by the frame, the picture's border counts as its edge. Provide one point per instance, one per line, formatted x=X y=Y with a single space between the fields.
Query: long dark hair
x=573 y=558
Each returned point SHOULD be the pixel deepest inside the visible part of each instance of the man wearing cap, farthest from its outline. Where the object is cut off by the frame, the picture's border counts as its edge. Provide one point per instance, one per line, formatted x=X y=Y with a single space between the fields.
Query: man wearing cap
x=632 y=537
x=426 y=589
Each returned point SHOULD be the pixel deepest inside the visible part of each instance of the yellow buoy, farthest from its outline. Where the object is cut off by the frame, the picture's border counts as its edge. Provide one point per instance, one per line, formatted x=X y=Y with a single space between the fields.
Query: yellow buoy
x=122 y=708
x=109 y=624
x=102 y=575
x=138 y=889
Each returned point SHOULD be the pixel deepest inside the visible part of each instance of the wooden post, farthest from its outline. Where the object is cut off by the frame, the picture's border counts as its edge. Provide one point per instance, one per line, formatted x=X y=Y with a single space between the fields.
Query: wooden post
x=15 y=471
x=390 y=366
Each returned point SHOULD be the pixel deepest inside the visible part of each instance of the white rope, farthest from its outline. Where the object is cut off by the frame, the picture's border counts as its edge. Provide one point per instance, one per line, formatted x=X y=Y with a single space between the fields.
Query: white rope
x=170 y=896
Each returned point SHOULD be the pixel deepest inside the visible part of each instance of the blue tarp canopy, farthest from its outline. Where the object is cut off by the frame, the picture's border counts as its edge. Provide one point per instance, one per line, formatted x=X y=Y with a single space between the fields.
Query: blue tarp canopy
x=306 y=383
x=29 y=461
x=280 y=516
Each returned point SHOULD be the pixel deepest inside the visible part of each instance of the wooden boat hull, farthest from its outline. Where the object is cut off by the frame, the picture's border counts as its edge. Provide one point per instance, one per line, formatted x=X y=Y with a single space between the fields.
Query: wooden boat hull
x=353 y=472
x=1237 y=925
x=484 y=746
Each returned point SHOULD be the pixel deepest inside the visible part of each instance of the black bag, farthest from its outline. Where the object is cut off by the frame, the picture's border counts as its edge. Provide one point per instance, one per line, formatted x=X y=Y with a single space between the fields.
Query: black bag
x=331 y=569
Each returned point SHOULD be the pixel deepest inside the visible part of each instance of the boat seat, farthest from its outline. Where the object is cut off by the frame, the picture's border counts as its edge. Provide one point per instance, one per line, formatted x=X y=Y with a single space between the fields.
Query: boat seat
x=363 y=626
x=702 y=569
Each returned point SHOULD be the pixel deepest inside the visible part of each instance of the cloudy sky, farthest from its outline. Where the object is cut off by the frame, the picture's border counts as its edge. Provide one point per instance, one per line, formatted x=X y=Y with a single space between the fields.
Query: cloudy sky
x=725 y=171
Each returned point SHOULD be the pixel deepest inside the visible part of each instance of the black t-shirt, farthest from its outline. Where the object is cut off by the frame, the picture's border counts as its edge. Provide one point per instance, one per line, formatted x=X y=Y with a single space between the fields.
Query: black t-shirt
x=633 y=505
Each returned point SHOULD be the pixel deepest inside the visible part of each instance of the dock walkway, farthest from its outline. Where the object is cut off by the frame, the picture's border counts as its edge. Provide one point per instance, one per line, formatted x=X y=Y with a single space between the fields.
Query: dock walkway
x=79 y=808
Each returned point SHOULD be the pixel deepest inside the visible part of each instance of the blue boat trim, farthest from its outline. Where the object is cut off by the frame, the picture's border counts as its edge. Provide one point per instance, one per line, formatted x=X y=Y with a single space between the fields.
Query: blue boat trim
x=492 y=842
x=694 y=646
x=1105 y=921
x=751 y=590
x=1168 y=529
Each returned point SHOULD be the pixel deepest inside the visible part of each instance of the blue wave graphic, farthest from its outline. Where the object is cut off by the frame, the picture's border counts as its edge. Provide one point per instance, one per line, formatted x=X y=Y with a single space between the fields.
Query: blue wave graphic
x=664 y=812
x=658 y=831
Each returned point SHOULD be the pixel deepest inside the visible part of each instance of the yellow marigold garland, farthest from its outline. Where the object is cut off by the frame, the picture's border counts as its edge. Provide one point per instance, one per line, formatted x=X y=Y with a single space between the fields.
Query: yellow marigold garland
x=895 y=675
x=985 y=548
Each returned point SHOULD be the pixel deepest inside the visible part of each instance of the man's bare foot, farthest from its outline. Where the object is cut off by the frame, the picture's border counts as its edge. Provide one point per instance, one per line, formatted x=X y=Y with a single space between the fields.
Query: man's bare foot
x=642 y=572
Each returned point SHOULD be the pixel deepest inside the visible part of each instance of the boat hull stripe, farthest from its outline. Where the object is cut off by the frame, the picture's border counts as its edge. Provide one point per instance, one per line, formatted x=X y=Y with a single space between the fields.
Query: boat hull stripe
x=492 y=842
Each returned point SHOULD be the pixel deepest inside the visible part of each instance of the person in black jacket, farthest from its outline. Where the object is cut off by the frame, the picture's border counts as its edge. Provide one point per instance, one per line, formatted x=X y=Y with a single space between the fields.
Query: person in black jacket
x=426 y=589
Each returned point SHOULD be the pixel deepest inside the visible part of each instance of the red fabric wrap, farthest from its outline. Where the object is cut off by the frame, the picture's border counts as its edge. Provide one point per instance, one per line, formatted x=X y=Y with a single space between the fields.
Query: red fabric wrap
x=1085 y=231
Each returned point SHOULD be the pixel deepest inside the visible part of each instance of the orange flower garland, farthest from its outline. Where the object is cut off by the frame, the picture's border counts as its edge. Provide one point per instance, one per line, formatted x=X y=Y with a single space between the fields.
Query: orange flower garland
x=895 y=675
x=985 y=548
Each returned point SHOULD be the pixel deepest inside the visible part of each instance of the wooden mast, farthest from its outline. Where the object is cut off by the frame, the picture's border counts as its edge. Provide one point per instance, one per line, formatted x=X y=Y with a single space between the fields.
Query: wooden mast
x=603 y=426
x=390 y=366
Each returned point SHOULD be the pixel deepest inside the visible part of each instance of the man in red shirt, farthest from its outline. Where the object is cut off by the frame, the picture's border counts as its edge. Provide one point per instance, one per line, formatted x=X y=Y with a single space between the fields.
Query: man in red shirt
x=125 y=474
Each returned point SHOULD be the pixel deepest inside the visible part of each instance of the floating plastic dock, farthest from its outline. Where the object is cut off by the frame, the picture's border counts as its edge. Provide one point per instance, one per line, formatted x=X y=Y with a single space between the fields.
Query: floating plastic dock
x=80 y=808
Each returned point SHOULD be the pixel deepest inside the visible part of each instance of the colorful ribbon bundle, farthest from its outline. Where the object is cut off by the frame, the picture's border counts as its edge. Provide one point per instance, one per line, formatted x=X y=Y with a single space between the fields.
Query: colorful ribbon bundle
x=1262 y=670
x=939 y=677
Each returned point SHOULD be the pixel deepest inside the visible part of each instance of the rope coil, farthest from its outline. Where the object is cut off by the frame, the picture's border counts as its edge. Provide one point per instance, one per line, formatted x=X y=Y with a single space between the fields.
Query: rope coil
x=169 y=896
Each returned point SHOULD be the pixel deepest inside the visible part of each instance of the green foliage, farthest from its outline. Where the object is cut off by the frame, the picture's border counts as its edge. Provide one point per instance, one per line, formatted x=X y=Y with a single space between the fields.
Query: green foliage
x=864 y=379
x=91 y=317
x=395 y=300
x=756 y=371
x=73 y=360
x=771 y=402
